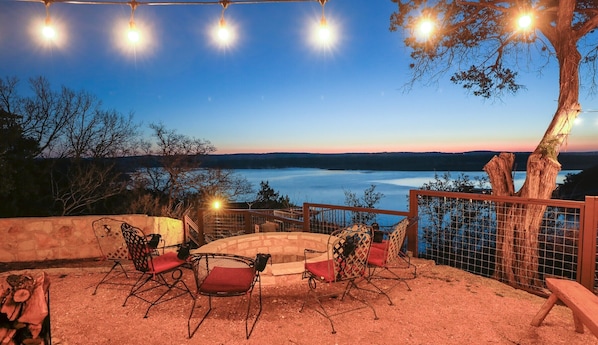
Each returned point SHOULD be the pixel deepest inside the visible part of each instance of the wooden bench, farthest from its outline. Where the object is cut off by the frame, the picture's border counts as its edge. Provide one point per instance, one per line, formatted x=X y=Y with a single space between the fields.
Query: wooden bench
x=582 y=302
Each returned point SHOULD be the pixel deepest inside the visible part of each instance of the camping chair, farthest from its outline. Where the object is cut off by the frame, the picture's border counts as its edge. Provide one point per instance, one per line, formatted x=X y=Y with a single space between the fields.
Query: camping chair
x=153 y=268
x=113 y=247
x=227 y=275
x=345 y=261
x=386 y=255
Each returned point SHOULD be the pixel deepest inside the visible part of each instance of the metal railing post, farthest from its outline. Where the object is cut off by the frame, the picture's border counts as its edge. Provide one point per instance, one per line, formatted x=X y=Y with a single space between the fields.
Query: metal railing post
x=412 y=233
x=587 y=243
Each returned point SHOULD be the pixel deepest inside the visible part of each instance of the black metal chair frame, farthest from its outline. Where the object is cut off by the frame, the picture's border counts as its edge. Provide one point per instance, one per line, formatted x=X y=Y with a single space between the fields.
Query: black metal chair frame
x=393 y=258
x=203 y=265
x=347 y=253
x=152 y=274
x=113 y=247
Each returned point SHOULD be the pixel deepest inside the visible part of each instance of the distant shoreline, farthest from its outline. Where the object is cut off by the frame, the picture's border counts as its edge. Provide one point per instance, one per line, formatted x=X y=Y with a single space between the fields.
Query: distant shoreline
x=386 y=161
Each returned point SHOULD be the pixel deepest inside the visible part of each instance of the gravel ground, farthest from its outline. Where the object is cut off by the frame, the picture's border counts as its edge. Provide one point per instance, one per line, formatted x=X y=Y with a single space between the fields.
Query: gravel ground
x=444 y=306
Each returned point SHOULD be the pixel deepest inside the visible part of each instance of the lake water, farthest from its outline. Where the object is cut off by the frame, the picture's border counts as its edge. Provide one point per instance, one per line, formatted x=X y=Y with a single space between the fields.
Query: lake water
x=329 y=186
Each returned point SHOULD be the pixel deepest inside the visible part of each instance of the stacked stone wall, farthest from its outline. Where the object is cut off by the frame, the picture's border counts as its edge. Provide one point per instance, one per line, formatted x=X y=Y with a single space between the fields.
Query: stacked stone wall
x=59 y=238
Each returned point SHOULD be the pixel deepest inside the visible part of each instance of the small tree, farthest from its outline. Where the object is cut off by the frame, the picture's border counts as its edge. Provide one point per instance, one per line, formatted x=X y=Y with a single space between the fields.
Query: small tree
x=172 y=180
x=268 y=198
x=455 y=232
x=16 y=153
x=370 y=199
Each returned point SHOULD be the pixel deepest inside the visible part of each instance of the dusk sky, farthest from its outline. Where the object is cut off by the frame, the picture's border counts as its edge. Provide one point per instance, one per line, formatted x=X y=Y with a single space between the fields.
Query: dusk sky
x=273 y=89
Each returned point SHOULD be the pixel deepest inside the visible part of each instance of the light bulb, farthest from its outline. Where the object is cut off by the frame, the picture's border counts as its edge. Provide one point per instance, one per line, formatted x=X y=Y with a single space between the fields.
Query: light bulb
x=324 y=31
x=48 y=32
x=223 y=32
x=525 y=21
x=133 y=34
x=426 y=27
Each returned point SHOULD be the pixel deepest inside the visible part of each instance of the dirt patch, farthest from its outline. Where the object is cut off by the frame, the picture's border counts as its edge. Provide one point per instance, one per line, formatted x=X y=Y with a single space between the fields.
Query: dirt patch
x=444 y=306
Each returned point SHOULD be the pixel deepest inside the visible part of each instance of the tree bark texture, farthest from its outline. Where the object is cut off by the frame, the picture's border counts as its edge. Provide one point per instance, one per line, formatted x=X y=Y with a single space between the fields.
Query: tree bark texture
x=518 y=224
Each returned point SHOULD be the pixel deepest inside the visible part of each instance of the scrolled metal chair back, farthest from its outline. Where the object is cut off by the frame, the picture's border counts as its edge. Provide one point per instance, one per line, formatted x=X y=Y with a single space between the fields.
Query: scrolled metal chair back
x=138 y=247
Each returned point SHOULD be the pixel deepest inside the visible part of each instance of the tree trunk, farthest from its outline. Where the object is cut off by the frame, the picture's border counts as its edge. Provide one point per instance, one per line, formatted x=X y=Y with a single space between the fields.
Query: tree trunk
x=518 y=224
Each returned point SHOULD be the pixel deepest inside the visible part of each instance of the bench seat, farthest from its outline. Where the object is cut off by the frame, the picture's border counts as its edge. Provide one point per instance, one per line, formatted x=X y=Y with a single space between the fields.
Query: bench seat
x=582 y=302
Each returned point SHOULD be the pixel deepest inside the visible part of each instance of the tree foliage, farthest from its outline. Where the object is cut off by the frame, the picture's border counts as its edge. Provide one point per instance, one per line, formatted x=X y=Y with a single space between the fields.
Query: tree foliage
x=479 y=43
x=172 y=180
x=268 y=198
x=61 y=150
x=370 y=199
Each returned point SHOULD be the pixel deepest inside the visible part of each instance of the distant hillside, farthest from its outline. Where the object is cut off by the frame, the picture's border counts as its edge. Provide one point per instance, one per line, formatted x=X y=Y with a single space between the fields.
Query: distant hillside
x=389 y=161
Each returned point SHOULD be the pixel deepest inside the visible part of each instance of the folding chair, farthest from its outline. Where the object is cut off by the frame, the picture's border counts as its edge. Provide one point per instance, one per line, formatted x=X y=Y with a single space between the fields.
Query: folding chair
x=113 y=247
x=227 y=275
x=346 y=261
x=386 y=255
x=153 y=268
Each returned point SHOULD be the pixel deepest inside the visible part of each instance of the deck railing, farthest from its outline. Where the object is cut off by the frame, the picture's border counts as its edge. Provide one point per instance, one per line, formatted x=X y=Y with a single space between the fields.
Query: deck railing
x=456 y=229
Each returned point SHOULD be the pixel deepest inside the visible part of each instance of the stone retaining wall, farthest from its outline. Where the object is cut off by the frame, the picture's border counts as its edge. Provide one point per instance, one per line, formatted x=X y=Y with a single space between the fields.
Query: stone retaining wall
x=58 y=238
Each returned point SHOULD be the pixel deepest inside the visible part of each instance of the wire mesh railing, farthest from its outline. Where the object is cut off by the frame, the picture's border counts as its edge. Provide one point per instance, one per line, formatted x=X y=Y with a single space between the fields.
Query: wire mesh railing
x=514 y=240
x=517 y=241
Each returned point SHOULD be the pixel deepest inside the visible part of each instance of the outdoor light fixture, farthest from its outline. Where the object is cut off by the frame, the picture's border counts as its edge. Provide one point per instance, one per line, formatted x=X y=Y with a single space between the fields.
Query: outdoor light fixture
x=224 y=34
x=216 y=204
x=48 y=31
x=133 y=34
x=324 y=30
x=425 y=27
x=524 y=22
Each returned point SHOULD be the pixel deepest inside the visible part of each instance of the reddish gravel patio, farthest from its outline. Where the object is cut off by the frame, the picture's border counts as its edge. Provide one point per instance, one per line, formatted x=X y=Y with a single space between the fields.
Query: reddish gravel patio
x=445 y=306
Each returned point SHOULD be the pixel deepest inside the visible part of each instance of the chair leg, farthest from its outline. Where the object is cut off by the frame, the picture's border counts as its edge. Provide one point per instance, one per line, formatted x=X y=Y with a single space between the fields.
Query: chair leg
x=320 y=309
x=136 y=287
x=378 y=289
x=159 y=281
x=105 y=278
x=192 y=333
x=351 y=284
x=170 y=287
x=247 y=330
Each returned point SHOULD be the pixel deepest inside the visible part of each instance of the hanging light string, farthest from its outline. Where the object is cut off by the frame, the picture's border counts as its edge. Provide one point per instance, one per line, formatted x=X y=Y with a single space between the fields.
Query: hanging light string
x=224 y=35
x=171 y=3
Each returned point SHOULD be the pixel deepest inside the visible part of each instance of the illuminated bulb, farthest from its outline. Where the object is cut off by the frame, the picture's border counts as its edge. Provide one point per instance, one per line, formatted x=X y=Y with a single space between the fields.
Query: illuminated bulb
x=48 y=30
x=216 y=205
x=324 y=31
x=223 y=32
x=133 y=33
x=426 y=27
x=525 y=21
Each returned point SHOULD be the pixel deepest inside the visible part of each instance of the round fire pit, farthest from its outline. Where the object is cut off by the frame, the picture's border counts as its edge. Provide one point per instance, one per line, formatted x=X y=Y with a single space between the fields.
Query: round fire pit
x=286 y=249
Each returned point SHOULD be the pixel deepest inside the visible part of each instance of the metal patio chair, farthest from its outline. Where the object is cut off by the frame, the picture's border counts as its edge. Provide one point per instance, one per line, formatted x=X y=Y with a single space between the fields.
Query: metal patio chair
x=227 y=275
x=113 y=247
x=344 y=262
x=154 y=268
x=386 y=256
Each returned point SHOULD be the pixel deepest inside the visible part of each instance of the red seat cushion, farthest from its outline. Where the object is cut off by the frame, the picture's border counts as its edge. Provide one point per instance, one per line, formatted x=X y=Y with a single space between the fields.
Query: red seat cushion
x=380 y=245
x=165 y=262
x=228 y=280
x=322 y=269
x=377 y=257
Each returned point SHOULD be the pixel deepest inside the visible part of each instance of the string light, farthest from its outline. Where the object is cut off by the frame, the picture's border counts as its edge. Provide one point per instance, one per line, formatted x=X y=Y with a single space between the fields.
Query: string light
x=324 y=35
x=224 y=34
x=525 y=21
x=133 y=33
x=48 y=30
